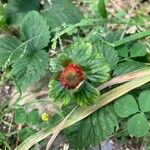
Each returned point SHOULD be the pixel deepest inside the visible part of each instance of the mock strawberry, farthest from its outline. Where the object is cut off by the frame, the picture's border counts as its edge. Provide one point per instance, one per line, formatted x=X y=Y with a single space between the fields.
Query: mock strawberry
x=74 y=65
x=71 y=76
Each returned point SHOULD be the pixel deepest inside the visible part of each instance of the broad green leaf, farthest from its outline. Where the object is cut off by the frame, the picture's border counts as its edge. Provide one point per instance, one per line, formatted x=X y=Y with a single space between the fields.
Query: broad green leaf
x=17 y=9
x=144 y=101
x=125 y=106
x=138 y=125
x=102 y=9
x=33 y=117
x=93 y=129
x=138 y=50
x=30 y=68
x=127 y=67
x=35 y=31
x=8 y=44
x=61 y=12
x=20 y=116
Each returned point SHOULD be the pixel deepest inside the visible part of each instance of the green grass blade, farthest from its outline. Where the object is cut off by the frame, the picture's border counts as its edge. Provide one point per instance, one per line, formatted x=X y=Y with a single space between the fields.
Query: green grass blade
x=134 y=37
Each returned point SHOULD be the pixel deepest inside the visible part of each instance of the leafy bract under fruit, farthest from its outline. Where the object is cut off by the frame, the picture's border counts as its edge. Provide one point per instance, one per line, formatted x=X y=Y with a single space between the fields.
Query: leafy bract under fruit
x=89 y=68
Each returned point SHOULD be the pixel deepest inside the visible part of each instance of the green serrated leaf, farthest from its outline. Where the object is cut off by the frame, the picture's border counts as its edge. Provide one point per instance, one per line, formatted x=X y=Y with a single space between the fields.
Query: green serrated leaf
x=20 y=116
x=86 y=95
x=144 y=101
x=93 y=129
x=35 y=31
x=8 y=44
x=113 y=36
x=30 y=68
x=102 y=9
x=108 y=52
x=138 y=50
x=33 y=117
x=127 y=67
x=138 y=125
x=17 y=9
x=125 y=106
x=61 y=12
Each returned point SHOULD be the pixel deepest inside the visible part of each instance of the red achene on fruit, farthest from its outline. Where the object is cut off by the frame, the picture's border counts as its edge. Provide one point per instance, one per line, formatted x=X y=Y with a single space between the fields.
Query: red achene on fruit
x=71 y=76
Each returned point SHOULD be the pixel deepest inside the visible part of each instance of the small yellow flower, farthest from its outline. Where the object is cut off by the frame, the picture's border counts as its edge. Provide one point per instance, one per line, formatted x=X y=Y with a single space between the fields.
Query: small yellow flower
x=45 y=117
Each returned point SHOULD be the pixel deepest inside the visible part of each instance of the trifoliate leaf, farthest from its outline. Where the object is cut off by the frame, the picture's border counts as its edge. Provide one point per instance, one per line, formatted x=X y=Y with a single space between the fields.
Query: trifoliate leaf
x=93 y=129
x=20 y=116
x=144 y=101
x=86 y=95
x=138 y=125
x=127 y=67
x=8 y=44
x=138 y=50
x=35 y=31
x=30 y=68
x=61 y=12
x=33 y=117
x=125 y=106
x=17 y=9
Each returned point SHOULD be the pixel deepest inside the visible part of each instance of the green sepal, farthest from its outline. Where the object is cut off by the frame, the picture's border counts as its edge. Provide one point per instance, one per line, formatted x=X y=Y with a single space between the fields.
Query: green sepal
x=86 y=95
x=59 y=92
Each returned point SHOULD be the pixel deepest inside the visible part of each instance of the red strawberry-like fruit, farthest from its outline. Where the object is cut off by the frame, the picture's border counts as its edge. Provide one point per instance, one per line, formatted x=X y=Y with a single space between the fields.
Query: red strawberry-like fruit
x=71 y=76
